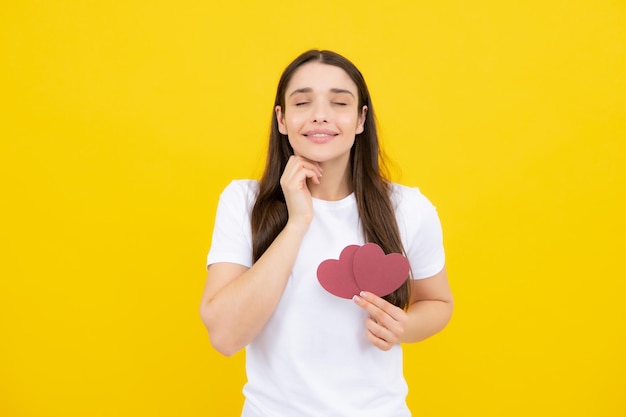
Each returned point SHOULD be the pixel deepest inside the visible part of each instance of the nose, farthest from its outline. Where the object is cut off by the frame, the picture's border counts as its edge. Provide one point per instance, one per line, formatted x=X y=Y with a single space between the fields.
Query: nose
x=320 y=112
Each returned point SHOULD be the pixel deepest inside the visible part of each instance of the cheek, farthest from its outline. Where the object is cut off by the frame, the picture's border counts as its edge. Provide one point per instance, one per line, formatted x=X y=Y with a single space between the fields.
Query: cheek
x=349 y=120
x=295 y=121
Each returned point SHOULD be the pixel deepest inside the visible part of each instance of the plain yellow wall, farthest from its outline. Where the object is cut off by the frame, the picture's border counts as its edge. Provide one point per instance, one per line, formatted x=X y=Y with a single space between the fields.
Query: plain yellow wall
x=121 y=121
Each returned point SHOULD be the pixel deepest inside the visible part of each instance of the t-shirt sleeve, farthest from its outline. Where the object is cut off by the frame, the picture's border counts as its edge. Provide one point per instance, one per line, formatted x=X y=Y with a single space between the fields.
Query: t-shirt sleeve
x=232 y=240
x=424 y=243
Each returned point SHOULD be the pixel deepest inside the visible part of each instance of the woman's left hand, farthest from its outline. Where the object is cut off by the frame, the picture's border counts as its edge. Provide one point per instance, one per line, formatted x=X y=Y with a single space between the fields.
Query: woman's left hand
x=386 y=322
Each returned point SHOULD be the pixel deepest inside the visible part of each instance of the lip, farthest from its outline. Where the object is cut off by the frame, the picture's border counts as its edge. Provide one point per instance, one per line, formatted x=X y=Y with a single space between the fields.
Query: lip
x=320 y=135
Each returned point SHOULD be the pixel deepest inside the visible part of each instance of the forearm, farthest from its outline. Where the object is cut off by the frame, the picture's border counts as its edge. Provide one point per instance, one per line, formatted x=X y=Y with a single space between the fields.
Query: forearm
x=236 y=313
x=426 y=318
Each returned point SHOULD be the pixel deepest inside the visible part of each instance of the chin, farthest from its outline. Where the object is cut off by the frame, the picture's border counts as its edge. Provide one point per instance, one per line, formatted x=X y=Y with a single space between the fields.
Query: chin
x=324 y=155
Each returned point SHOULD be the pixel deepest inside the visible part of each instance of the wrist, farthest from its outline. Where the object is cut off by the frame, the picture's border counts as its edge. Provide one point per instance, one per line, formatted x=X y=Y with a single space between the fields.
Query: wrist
x=296 y=227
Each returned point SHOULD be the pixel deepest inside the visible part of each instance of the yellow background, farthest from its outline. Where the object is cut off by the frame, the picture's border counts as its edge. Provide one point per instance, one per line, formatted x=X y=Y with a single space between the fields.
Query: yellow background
x=121 y=121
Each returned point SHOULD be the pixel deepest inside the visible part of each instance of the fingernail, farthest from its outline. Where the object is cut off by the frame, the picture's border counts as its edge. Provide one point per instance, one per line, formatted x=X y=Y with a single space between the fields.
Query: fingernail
x=363 y=294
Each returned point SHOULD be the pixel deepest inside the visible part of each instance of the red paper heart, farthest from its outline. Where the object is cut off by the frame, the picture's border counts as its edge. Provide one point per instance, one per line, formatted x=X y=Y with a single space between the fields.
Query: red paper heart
x=337 y=276
x=363 y=268
x=379 y=273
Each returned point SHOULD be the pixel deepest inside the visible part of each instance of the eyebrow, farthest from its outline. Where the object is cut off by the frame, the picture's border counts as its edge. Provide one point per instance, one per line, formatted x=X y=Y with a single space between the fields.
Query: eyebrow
x=309 y=90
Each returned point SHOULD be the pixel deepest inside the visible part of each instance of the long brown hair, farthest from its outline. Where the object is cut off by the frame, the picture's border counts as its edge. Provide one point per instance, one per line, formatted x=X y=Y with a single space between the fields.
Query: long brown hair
x=369 y=176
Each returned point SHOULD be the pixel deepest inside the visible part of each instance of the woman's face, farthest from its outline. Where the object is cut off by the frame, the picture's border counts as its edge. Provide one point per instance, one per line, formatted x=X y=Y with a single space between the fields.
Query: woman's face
x=321 y=115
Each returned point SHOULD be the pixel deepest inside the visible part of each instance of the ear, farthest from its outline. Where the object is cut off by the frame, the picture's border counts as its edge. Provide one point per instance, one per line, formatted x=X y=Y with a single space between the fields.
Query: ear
x=360 y=127
x=280 y=117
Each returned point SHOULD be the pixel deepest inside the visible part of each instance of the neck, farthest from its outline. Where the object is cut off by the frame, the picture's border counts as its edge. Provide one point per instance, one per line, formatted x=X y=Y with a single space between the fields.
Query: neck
x=335 y=184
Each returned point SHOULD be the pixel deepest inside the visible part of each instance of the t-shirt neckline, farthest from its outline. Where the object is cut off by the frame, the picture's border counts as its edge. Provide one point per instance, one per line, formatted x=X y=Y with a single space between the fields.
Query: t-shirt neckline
x=334 y=204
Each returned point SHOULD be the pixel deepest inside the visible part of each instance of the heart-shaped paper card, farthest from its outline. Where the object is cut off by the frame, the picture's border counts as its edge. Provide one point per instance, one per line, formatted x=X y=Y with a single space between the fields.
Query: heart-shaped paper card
x=337 y=276
x=363 y=268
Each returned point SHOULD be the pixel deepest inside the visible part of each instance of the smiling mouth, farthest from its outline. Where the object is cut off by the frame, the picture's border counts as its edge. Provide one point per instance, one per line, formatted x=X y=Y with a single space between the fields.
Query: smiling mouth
x=320 y=137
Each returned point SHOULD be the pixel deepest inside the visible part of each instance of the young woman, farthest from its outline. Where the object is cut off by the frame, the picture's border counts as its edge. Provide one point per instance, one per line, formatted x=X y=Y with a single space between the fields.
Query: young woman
x=308 y=352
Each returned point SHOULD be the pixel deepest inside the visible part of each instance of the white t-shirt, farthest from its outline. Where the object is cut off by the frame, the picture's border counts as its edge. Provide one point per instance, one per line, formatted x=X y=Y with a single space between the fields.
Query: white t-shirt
x=312 y=358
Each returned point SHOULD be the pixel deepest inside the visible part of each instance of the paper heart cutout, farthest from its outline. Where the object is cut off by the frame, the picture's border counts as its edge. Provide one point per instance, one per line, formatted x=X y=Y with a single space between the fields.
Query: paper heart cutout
x=363 y=268
x=337 y=276
x=379 y=273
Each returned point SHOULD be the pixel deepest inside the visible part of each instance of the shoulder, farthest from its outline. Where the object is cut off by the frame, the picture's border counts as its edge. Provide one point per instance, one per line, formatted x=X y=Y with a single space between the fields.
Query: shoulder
x=240 y=190
x=409 y=198
x=414 y=211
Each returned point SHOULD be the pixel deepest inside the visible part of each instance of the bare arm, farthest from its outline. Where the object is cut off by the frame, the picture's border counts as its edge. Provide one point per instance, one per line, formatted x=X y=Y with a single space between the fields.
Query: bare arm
x=237 y=301
x=429 y=312
x=431 y=307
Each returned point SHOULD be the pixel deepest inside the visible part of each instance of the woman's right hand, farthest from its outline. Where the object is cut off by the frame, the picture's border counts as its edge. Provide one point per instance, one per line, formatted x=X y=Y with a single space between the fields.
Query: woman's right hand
x=297 y=195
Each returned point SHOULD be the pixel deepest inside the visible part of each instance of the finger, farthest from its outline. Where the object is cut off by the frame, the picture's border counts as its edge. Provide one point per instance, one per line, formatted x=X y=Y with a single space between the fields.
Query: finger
x=380 y=309
x=386 y=326
x=295 y=178
x=307 y=163
x=378 y=342
x=299 y=169
x=381 y=332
